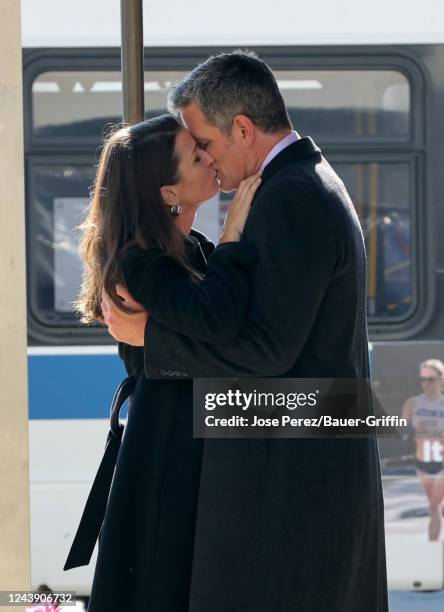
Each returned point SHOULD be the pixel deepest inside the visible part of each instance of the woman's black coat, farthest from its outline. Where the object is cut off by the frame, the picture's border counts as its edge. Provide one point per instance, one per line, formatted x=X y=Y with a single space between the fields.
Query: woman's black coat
x=146 y=544
x=289 y=524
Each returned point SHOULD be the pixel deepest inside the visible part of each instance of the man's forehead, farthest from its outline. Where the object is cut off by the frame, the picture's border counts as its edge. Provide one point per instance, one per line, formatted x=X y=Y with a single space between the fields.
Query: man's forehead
x=195 y=122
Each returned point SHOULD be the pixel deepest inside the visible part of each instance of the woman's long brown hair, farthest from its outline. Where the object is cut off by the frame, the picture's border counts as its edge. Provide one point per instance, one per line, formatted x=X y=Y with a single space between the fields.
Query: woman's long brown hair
x=127 y=208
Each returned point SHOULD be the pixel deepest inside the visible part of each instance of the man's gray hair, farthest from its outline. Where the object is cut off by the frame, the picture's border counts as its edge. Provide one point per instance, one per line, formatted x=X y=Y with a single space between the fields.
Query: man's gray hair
x=230 y=84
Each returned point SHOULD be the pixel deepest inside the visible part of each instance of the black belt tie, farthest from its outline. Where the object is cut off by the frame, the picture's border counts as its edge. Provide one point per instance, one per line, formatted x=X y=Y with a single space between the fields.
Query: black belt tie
x=94 y=512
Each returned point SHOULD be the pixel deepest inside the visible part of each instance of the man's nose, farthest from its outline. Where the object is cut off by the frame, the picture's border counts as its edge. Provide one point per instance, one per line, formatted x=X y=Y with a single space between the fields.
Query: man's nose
x=207 y=158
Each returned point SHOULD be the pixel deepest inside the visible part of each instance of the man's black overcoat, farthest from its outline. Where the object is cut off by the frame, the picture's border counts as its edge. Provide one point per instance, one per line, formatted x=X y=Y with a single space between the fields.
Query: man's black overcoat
x=296 y=524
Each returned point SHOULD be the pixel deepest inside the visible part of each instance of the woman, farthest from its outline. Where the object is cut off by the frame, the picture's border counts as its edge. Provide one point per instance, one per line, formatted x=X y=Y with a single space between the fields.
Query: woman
x=426 y=415
x=150 y=181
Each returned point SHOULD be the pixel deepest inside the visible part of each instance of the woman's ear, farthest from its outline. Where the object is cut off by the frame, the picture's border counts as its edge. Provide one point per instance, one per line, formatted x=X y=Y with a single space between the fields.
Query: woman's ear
x=169 y=195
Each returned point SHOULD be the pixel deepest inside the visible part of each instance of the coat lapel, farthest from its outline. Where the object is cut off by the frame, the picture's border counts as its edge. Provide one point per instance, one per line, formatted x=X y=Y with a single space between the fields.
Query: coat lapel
x=299 y=150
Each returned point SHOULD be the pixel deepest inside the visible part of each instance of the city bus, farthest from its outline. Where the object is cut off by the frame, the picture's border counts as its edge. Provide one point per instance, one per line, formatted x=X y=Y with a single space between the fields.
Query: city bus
x=366 y=82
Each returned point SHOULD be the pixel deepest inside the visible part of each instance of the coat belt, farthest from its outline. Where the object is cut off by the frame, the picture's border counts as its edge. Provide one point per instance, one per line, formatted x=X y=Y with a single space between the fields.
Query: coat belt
x=94 y=512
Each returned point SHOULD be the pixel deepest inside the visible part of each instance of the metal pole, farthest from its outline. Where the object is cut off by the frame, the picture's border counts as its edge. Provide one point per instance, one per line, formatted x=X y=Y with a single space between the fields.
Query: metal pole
x=132 y=60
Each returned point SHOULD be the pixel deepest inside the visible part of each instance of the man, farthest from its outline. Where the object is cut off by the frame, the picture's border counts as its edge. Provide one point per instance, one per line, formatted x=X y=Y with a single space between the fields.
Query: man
x=283 y=524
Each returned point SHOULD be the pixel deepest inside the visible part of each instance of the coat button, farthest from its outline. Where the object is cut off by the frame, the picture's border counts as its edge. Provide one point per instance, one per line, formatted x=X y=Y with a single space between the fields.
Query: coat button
x=177 y=373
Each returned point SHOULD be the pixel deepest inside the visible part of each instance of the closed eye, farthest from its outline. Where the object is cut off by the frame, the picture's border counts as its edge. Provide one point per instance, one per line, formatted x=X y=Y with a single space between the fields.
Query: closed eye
x=203 y=145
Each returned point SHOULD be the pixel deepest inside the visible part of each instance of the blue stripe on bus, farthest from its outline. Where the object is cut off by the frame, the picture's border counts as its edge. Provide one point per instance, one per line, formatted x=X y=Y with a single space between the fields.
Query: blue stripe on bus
x=75 y=386
x=72 y=386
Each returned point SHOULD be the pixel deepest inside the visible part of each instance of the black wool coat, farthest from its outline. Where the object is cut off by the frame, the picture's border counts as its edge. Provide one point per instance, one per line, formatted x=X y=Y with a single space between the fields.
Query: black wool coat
x=295 y=524
x=145 y=553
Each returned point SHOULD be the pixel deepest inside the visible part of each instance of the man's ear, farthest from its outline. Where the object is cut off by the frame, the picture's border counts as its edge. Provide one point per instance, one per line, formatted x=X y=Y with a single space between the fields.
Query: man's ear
x=245 y=130
x=169 y=194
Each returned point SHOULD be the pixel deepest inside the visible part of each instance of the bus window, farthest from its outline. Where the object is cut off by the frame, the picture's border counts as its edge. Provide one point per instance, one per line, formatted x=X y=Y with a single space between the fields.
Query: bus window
x=381 y=193
x=348 y=105
x=77 y=106
x=58 y=204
